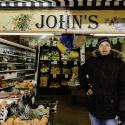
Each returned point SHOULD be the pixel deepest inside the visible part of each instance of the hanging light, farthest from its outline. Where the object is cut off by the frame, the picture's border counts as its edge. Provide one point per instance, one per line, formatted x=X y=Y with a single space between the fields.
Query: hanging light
x=30 y=34
x=107 y=34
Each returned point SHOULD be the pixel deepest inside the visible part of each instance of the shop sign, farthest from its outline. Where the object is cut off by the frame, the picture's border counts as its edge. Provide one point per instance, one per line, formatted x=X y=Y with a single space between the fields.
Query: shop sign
x=62 y=21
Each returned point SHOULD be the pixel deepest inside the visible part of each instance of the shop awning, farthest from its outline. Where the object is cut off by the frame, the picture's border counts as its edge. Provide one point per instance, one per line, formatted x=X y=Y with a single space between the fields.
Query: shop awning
x=70 y=4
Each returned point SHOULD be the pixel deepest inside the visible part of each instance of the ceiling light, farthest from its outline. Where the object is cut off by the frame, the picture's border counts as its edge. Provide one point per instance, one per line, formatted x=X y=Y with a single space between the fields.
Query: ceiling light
x=107 y=34
x=35 y=34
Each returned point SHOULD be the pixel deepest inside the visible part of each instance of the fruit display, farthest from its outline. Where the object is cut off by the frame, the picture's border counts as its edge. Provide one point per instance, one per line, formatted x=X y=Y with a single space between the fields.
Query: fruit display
x=55 y=70
x=44 y=81
x=45 y=56
x=55 y=55
x=25 y=84
x=25 y=112
x=75 y=70
x=66 y=70
x=64 y=57
x=44 y=69
x=18 y=121
x=64 y=83
x=54 y=85
x=56 y=65
x=3 y=67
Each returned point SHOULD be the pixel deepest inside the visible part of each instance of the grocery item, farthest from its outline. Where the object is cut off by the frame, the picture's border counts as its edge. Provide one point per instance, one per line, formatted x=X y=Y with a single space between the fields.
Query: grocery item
x=43 y=81
x=55 y=70
x=79 y=40
x=66 y=51
x=10 y=121
x=35 y=121
x=44 y=120
x=25 y=84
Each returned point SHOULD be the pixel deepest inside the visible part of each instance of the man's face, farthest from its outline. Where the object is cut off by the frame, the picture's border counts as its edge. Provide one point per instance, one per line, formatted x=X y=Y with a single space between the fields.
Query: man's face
x=104 y=48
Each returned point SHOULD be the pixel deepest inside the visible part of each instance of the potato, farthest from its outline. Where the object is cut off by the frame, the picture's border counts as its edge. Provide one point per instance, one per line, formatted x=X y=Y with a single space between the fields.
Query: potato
x=17 y=121
x=35 y=121
x=10 y=121
x=44 y=120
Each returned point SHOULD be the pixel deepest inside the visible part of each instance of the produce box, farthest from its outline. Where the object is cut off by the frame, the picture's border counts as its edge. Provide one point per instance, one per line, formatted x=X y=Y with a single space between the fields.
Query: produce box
x=43 y=81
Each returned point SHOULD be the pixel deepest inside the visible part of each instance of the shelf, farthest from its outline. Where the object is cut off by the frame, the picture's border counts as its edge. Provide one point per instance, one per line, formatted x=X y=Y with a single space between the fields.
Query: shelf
x=29 y=57
x=55 y=62
x=18 y=77
x=66 y=75
x=16 y=70
x=5 y=54
x=29 y=63
x=53 y=91
x=29 y=75
x=16 y=45
x=55 y=76
x=1 y=89
x=18 y=63
x=74 y=62
x=59 y=75
x=41 y=61
x=10 y=63
x=29 y=69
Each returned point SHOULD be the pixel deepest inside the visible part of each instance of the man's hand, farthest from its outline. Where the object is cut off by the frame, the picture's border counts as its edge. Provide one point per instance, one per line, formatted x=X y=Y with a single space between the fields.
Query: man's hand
x=118 y=120
x=89 y=92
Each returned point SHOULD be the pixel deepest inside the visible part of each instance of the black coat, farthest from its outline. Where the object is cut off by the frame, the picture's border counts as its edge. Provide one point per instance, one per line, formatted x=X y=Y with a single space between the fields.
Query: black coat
x=106 y=74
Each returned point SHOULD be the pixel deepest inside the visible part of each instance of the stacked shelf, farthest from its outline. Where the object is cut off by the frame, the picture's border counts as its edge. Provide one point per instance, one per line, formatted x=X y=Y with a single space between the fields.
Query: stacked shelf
x=55 y=70
x=17 y=63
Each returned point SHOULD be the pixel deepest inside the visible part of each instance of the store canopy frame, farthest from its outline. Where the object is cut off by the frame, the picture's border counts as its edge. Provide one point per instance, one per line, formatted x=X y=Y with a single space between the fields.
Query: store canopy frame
x=68 y=4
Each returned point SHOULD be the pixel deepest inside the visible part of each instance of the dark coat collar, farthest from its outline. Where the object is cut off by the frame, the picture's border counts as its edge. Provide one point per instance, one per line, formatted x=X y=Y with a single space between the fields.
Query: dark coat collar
x=115 y=53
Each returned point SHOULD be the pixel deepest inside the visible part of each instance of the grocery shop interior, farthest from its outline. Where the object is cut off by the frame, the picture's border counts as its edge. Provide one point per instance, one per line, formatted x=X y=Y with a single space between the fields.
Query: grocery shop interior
x=42 y=45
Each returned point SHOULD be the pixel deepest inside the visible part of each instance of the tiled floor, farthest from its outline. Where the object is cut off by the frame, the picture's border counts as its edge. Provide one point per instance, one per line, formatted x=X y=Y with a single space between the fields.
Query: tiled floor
x=72 y=113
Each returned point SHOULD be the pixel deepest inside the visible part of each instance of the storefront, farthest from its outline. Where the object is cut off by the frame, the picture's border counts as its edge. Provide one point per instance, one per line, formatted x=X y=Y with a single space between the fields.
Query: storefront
x=45 y=42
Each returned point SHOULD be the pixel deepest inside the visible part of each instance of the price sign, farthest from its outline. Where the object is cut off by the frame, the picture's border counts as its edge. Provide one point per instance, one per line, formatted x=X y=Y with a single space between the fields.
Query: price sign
x=54 y=62
x=33 y=100
x=75 y=62
x=54 y=75
x=65 y=62
x=66 y=75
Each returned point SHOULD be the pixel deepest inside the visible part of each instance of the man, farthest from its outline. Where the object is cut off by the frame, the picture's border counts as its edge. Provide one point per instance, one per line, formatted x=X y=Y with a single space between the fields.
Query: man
x=103 y=79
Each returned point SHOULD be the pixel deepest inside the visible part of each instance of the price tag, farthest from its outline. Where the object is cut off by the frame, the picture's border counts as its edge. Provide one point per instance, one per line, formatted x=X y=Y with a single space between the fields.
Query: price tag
x=33 y=100
x=65 y=62
x=54 y=62
x=54 y=75
x=75 y=62
x=66 y=75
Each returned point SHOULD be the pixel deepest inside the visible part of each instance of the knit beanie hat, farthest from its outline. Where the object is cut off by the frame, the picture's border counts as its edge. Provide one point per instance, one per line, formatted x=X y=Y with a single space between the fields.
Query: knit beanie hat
x=103 y=39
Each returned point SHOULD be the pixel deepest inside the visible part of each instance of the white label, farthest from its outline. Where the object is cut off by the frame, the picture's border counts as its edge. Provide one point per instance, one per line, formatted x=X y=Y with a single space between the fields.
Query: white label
x=66 y=75
x=75 y=62
x=64 y=62
x=54 y=75
x=54 y=62
x=33 y=100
